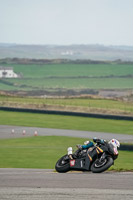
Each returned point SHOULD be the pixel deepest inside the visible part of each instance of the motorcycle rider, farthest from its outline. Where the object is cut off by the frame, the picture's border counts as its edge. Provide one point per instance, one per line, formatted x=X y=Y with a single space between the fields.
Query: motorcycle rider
x=88 y=144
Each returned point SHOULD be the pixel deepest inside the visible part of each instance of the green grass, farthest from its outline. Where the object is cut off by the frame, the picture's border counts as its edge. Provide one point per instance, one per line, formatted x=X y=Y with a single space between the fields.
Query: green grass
x=65 y=122
x=70 y=76
x=34 y=152
x=63 y=70
x=107 y=104
x=124 y=161
x=43 y=152
x=77 y=83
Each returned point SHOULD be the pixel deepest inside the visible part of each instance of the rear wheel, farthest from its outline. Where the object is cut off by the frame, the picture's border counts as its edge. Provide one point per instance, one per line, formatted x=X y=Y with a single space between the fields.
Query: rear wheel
x=62 y=164
x=99 y=166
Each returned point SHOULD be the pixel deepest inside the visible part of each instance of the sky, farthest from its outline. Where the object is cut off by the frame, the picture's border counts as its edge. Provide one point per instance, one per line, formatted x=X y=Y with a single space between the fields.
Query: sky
x=66 y=22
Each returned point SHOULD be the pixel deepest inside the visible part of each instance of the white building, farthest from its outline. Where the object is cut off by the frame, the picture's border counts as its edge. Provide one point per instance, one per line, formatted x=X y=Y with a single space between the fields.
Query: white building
x=68 y=53
x=7 y=72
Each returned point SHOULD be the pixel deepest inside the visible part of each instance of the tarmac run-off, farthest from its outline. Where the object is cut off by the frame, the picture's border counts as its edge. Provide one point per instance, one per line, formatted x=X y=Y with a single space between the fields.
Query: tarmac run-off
x=40 y=184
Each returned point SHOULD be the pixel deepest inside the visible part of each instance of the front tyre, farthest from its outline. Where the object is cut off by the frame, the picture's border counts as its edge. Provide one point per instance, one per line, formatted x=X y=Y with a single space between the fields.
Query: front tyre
x=100 y=166
x=62 y=164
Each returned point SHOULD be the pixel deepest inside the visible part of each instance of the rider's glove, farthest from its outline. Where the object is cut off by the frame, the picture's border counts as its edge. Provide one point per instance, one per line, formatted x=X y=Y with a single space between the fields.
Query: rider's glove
x=79 y=146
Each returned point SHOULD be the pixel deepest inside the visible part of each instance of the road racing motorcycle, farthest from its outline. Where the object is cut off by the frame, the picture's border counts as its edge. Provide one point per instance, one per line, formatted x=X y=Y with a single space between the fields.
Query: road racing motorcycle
x=96 y=159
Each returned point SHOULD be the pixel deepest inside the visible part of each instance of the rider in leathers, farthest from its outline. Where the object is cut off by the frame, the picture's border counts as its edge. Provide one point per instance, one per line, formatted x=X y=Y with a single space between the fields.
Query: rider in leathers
x=88 y=144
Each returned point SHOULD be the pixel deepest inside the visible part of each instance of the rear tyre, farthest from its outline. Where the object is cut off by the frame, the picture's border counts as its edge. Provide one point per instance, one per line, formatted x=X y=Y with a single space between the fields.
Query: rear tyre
x=98 y=166
x=62 y=165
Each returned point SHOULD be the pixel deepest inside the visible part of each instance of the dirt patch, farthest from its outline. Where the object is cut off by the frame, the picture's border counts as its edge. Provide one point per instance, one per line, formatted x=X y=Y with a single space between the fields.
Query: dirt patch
x=80 y=109
x=59 y=92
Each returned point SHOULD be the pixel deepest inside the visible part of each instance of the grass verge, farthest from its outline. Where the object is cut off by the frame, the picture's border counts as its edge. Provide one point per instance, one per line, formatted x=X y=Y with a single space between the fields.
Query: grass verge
x=43 y=151
x=76 y=104
x=65 y=122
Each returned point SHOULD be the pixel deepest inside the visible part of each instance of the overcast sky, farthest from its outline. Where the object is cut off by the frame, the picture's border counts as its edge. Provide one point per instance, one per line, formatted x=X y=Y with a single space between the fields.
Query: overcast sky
x=108 y=22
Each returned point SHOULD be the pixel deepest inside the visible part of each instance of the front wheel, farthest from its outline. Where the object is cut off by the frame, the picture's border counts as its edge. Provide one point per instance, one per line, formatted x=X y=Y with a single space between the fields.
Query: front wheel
x=99 y=166
x=62 y=164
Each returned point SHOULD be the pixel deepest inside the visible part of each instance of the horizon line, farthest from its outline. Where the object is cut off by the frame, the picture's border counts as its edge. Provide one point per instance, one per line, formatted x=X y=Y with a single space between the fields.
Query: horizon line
x=75 y=44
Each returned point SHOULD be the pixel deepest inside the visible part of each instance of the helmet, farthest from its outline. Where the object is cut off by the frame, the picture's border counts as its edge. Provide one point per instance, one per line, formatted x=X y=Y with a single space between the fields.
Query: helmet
x=115 y=143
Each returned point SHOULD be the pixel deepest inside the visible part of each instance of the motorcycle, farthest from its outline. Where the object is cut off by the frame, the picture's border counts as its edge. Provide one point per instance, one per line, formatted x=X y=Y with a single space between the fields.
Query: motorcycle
x=96 y=159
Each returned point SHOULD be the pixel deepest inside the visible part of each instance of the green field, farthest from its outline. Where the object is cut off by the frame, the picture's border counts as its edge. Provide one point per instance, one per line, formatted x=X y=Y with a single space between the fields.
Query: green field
x=73 y=70
x=80 y=104
x=70 y=76
x=77 y=83
x=43 y=152
x=66 y=122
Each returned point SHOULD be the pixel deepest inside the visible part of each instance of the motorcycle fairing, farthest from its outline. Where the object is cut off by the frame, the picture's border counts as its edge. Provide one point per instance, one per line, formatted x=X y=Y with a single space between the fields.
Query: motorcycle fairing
x=82 y=164
x=72 y=163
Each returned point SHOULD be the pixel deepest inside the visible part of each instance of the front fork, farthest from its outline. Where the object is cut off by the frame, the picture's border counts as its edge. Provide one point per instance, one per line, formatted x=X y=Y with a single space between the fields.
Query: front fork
x=103 y=156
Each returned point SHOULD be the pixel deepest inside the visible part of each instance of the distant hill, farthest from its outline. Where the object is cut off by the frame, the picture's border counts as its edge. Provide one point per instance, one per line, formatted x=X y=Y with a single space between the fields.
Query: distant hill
x=73 y=52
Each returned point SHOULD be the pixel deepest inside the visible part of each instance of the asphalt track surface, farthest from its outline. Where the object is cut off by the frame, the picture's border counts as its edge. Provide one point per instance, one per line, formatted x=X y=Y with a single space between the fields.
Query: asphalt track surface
x=42 y=184
x=16 y=131
x=38 y=184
